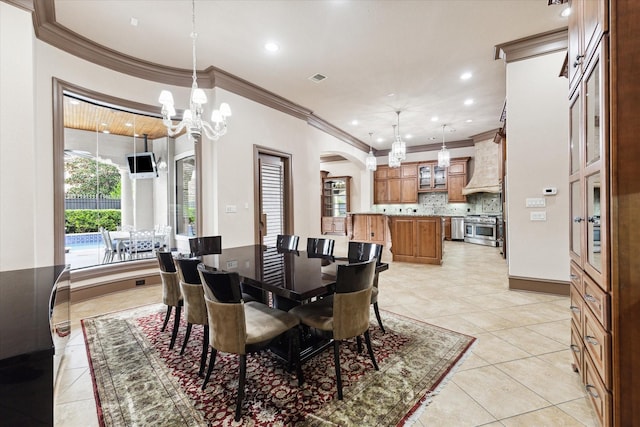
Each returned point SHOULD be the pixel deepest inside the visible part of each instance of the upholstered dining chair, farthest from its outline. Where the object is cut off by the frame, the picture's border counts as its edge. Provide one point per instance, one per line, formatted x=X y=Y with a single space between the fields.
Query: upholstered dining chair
x=241 y=328
x=171 y=295
x=287 y=242
x=194 y=306
x=348 y=316
x=364 y=251
x=319 y=247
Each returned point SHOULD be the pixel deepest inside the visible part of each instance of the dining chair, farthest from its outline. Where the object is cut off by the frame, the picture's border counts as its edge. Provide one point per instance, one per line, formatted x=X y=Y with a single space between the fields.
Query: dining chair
x=348 y=316
x=242 y=328
x=194 y=306
x=319 y=247
x=140 y=242
x=206 y=245
x=287 y=242
x=364 y=251
x=110 y=247
x=171 y=295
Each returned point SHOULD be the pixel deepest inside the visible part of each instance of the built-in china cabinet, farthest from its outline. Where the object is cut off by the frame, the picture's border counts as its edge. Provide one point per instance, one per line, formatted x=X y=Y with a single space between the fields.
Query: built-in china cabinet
x=604 y=203
x=335 y=204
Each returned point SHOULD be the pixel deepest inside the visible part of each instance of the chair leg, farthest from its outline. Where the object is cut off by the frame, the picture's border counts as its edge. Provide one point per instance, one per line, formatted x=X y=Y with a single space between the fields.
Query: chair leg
x=241 y=381
x=336 y=359
x=186 y=338
x=294 y=353
x=359 y=343
x=166 y=319
x=377 y=311
x=367 y=339
x=176 y=325
x=212 y=361
x=205 y=345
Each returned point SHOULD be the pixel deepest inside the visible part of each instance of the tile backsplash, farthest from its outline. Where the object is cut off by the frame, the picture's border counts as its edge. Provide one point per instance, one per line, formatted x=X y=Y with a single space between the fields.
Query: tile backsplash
x=437 y=204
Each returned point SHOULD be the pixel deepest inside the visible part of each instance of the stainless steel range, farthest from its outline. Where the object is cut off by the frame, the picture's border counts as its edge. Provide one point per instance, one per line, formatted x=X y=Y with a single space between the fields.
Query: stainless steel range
x=481 y=229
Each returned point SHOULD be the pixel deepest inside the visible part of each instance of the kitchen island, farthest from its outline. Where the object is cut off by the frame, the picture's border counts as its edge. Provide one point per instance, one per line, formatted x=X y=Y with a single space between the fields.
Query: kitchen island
x=411 y=238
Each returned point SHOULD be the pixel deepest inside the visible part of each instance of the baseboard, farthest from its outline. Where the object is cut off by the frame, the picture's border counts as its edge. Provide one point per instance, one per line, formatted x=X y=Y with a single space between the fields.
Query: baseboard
x=556 y=287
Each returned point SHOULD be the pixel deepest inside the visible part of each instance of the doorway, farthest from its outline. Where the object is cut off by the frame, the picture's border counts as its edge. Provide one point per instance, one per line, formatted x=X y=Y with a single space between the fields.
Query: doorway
x=274 y=206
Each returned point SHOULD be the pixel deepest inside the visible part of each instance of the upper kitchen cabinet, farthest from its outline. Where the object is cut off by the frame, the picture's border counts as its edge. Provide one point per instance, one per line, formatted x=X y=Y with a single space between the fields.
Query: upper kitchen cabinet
x=457 y=179
x=588 y=21
x=335 y=204
x=396 y=185
x=432 y=177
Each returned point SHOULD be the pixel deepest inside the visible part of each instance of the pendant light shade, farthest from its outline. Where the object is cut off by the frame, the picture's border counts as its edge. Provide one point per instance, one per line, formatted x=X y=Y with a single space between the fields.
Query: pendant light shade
x=444 y=157
x=371 y=162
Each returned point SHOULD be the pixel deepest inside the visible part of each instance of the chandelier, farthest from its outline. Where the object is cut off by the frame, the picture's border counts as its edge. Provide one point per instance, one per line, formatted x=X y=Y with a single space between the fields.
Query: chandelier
x=444 y=157
x=371 y=162
x=399 y=148
x=192 y=118
x=394 y=161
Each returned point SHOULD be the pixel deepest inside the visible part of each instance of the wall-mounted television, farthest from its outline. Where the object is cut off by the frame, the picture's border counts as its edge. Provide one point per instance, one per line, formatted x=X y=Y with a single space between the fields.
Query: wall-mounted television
x=142 y=165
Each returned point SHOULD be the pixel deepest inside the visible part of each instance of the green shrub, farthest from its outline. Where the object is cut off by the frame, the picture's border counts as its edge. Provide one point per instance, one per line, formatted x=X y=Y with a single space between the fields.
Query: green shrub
x=90 y=220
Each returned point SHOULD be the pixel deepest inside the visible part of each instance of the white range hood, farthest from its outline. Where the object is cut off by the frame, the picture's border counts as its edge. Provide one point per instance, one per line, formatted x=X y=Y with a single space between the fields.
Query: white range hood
x=486 y=172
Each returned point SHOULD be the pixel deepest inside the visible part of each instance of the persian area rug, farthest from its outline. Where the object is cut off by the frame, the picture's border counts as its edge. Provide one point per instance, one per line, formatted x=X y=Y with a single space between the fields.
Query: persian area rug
x=138 y=381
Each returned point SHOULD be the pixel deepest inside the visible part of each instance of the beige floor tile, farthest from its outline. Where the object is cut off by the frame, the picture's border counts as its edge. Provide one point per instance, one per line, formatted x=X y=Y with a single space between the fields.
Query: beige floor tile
x=560 y=359
x=81 y=413
x=81 y=389
x=454 y=407
x=456 y=323
x=495 y=350
x=472 y=361
x=581 y=410
x=557 y=330
x=489 y=320
x=553 y=384
x=528 y=340
x=550 y=416
x=498 y=393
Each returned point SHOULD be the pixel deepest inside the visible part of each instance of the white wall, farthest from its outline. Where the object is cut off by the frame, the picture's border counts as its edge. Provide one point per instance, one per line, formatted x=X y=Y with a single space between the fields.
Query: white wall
x=537 y=157
x=360 y=177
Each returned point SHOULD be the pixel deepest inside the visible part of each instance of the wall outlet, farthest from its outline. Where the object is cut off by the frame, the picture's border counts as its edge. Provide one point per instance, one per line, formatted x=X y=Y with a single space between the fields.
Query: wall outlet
x=139 y=282
x=232 y=264
x=538 y=216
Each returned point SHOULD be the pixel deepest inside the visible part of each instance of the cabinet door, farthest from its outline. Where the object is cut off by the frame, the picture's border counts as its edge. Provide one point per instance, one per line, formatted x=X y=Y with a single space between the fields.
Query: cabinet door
x=380 y=191
x=377 y=229
x=425 y=174
x=426 y=246
x=403 y=238
x=574 y=50
x=339 y=225
x=394 y=190
x=360 y=227
x=409 y=190
x=439 y=178
x=456 y=184
x=327 y=224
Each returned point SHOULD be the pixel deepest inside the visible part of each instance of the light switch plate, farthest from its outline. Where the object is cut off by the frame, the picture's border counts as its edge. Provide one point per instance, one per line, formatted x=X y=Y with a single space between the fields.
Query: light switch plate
x=231 y=209
x=535 y=202
x=538 y=216
x=232 y=264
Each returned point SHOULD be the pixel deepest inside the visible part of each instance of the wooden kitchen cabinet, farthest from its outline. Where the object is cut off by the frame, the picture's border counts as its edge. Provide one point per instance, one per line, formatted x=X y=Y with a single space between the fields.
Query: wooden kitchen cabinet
x=335 y=204
x=416 y=239
x=396 y=185
x=432 y=177
x=368 y=228
x=457 y=179
x=587 y=23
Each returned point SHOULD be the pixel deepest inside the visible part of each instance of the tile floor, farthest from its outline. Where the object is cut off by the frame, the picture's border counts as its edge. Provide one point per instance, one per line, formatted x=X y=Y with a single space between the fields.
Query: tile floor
x=517 y=374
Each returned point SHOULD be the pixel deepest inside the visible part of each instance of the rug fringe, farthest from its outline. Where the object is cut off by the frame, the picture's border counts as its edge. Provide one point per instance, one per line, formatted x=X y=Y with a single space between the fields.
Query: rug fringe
x=428 y=398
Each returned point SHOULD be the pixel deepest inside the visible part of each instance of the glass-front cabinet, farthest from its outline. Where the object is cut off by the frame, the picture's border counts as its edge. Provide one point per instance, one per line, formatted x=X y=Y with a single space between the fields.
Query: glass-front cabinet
x=335 y=204
x=587 y=150
x=432 y=177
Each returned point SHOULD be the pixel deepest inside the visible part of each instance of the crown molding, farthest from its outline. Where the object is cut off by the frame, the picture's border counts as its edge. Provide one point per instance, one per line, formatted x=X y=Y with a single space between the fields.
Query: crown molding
x=532 y=46
x=490 y=134
x=436 y=146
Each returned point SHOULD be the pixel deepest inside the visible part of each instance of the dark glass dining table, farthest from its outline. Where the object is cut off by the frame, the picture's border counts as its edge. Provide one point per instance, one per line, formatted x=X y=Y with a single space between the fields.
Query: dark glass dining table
x=294 y=276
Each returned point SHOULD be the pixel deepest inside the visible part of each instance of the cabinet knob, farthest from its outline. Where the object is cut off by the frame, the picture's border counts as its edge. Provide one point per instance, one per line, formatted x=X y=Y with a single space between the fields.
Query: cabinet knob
x=575 y=348
x=578 y=60
x=573 y=276
x=590 y=298
x=591 y=340
x=591 y=219
x=592 y=390
x=578 y=219
x=575 y=309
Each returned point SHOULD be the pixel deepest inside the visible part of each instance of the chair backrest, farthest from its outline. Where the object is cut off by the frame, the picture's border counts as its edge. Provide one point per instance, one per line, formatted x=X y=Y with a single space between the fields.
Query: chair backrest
x=221 y=286
x=194 y=306
x=352 y=299
x=287 y=242
x=363 y=251
x=206 y=245
x=165 y=260
x=106 y=239
x=142 y=240
x=188 y=270
x=227 y=326
x=319 y=247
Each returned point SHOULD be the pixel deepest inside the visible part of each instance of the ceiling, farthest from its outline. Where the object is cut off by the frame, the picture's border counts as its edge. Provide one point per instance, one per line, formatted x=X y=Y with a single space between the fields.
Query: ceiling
x=379 y=56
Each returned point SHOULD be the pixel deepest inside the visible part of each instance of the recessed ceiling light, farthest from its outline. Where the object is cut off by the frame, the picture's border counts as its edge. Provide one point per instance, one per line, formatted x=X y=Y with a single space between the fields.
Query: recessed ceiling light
x=354 y=122
x=465 y=76
x=133 y=21
x=434 y=119
x=565 y=12
x=271 y=47
x=433 y=138
x=468 y=101
x=408 y=136
x=380 y=140
x=468 y=120
x=391 y=94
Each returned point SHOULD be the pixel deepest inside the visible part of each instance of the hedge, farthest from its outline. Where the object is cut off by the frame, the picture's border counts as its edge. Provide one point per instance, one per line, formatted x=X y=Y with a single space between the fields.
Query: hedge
x=90 y=220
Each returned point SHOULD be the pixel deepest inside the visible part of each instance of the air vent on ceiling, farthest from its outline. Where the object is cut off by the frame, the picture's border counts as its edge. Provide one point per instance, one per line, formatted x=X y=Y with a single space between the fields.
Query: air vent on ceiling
x=317 y=78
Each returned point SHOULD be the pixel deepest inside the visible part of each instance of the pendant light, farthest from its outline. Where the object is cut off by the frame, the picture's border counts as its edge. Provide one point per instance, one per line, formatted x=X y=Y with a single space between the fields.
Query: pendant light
x=371 y=162
x=394 y=161
x=444 y=157
x=399 y=148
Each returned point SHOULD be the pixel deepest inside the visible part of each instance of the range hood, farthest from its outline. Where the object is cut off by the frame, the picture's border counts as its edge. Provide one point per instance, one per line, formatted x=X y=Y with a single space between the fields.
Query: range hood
x=486 y=172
